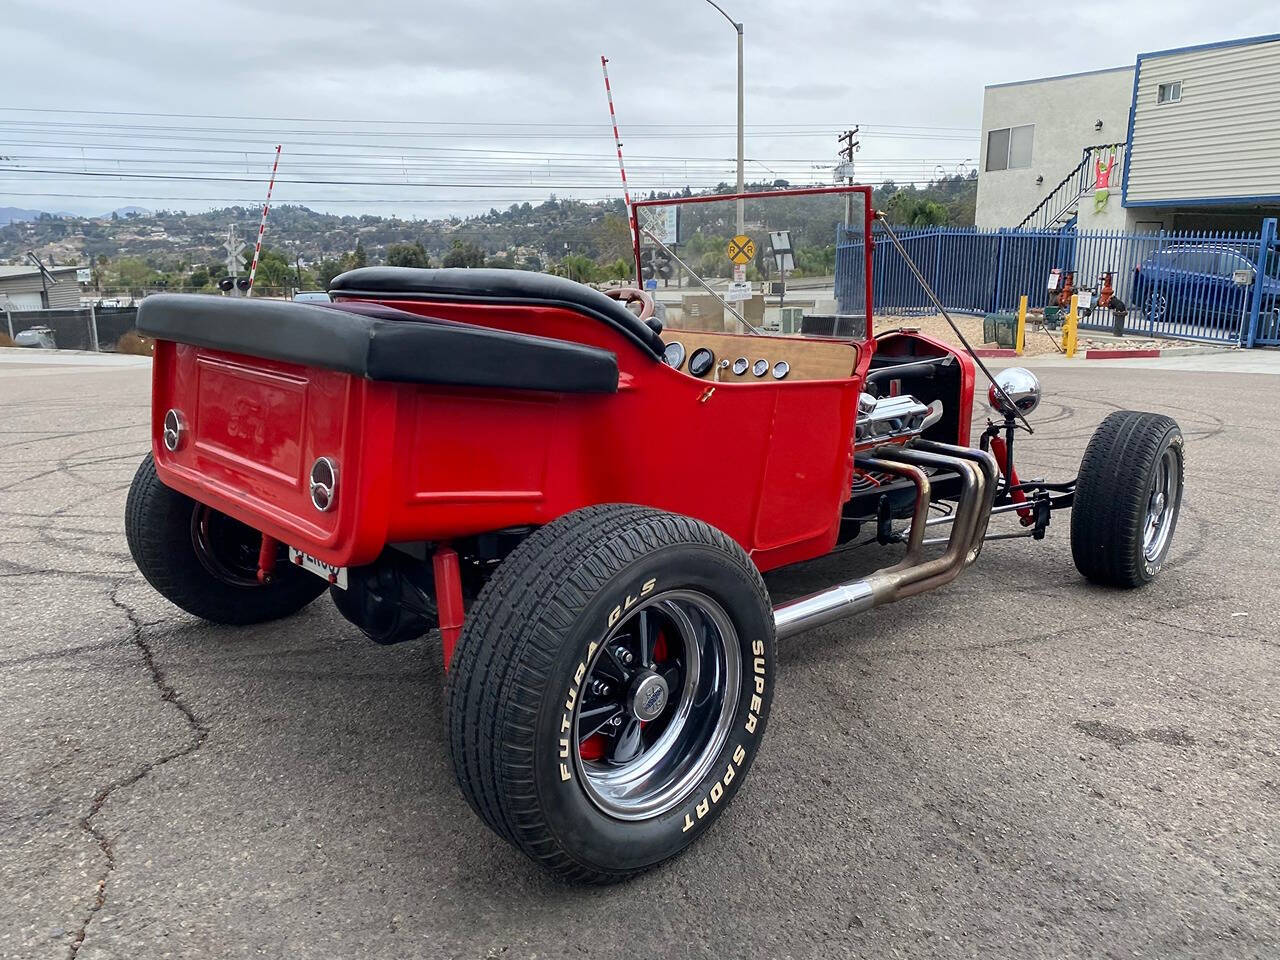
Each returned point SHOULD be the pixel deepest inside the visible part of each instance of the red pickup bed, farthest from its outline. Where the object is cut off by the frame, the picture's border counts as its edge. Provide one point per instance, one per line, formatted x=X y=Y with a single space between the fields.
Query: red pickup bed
x=454 y=411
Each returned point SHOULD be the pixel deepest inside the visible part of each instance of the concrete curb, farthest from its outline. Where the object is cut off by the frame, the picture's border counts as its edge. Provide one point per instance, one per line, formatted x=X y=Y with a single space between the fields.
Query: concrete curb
x=1104 y=353
x=1119 y=354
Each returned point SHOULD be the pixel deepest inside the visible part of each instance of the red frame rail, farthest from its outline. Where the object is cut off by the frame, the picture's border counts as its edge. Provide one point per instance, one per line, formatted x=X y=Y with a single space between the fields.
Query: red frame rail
x=867 y=219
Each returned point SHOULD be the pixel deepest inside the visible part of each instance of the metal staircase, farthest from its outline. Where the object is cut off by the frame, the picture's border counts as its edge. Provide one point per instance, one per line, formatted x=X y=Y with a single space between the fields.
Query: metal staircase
x=1061 y=205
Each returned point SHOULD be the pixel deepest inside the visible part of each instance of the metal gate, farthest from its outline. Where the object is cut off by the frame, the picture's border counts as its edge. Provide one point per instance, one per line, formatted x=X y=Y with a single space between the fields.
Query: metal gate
x=1264 y=310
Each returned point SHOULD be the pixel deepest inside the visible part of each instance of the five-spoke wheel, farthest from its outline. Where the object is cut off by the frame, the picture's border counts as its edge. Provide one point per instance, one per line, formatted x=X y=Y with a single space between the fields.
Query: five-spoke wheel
x=657 y=703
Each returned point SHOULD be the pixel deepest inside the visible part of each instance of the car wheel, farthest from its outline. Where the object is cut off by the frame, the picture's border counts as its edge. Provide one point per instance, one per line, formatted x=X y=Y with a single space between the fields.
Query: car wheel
x=1156 y=306
x=1127 y=499
x=203 y=560
x=610 y=689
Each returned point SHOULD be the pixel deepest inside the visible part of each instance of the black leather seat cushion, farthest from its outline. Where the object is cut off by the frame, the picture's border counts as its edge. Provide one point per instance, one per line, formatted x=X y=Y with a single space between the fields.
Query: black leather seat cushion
x=380 y=343
x=495 y=286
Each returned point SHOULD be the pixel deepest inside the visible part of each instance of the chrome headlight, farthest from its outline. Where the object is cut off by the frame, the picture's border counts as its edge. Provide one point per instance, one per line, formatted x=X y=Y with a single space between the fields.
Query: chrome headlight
x=324 y=484
x=1020 y=386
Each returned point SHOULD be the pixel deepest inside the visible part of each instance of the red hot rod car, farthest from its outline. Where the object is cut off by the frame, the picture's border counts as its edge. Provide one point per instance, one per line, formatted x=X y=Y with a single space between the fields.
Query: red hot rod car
x=490 y=453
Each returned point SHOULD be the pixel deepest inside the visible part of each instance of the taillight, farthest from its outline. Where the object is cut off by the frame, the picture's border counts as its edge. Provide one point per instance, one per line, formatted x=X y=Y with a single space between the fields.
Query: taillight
x=174 y=433
x=324 y=484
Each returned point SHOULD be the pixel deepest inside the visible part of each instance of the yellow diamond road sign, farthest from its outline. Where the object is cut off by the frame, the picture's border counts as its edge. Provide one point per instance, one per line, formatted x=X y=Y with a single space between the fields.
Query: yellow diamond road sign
x=741 y=249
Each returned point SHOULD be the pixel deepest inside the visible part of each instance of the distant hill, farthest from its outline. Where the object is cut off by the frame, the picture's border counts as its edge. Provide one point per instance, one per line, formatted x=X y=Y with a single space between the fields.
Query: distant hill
x=10 y=214
x=527 y=235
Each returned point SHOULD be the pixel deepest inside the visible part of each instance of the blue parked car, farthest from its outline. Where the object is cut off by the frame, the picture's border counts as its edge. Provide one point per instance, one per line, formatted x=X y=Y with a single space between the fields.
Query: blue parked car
x=1198 y=284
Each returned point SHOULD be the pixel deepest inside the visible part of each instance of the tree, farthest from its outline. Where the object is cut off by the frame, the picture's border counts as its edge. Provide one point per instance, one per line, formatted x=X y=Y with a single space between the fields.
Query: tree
x=464 y=255
x=130 y=272
x=408 y=255
x=620 y=269
x=327 y=269
x=612 y=236
x=915 y=211
x=274 y=270
x=359 y=259
x=575 y=266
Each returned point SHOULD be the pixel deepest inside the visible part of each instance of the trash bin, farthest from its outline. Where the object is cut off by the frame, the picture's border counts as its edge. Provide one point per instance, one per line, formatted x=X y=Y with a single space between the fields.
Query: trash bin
x=1000 y=329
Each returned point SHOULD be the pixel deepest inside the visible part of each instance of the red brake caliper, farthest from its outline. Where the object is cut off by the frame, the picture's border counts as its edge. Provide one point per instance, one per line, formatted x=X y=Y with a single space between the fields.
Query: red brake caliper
x=593 y=747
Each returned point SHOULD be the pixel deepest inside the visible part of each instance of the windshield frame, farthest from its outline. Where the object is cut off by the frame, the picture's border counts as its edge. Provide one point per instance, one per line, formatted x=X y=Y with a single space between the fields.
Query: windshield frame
x=868 y=219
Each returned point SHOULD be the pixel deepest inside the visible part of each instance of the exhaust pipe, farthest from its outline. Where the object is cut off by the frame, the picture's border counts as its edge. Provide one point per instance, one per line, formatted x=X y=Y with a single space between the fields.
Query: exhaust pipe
x=910 y=576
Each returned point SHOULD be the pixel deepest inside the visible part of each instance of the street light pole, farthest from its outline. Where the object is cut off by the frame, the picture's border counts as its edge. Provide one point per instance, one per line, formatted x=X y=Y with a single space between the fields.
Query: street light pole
x=741 y=183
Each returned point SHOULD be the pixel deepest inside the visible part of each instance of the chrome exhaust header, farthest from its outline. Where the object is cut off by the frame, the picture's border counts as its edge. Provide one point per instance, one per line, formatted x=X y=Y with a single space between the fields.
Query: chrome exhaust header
x=912 y=575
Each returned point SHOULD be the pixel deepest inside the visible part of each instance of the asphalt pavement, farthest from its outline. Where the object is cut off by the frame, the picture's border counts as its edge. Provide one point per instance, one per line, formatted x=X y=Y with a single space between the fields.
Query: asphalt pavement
x=1019 y=765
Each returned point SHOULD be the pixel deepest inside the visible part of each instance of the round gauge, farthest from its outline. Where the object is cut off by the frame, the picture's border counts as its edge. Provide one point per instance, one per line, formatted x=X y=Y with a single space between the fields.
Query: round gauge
x=740 y=366
x=781 y=369
x=673 y=354
x=701 y=361
x=760 y=367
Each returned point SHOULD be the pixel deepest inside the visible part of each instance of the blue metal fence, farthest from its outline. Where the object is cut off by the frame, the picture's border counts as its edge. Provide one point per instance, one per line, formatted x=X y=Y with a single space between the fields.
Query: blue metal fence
x=1264 y=311
x=1219 y=286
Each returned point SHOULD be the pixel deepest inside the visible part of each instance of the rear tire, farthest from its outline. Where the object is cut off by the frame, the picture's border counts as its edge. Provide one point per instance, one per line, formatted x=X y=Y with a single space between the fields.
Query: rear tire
x=1127 y=499
x=159 y=522
x=576 y=628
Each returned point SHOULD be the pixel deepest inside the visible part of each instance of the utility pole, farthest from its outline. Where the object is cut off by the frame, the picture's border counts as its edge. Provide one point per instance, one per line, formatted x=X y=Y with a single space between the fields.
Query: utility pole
x=846 y=167
x=737 y=25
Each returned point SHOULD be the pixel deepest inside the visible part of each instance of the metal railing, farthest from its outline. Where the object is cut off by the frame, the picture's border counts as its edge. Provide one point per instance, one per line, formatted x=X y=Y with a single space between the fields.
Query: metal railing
x=1061 y=203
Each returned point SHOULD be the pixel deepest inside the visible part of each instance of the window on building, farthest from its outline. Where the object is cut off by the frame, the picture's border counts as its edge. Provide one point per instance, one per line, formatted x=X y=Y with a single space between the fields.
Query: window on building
x=1169 y=92
x=1009 y=148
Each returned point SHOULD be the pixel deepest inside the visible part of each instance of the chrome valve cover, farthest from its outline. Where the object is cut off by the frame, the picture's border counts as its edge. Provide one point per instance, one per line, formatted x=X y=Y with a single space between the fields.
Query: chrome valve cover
x=889 y=418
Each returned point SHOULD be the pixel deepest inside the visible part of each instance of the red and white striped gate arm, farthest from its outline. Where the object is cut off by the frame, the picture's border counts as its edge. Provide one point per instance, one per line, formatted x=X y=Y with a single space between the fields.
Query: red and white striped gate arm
x=262 y=224
x=626 y=193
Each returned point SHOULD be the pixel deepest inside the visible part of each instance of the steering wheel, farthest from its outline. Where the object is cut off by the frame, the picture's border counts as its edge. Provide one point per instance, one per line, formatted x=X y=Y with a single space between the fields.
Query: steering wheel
x=628 y=295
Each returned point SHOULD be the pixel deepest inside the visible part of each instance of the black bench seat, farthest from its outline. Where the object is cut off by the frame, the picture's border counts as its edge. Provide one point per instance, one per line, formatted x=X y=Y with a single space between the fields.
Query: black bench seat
x=459 y=284
x=379 y=343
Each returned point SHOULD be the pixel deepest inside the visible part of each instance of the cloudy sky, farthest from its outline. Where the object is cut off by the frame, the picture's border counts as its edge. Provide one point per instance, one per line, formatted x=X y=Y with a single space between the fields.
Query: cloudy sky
x=485 y=104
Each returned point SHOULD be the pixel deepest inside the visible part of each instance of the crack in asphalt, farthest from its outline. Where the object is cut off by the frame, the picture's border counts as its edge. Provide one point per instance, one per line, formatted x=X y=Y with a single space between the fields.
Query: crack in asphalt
x=199 y=733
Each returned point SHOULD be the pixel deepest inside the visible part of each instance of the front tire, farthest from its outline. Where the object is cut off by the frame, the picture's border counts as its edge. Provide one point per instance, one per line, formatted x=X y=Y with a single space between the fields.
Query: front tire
x=1127 y=499
x=610 y=689
x=203 y=560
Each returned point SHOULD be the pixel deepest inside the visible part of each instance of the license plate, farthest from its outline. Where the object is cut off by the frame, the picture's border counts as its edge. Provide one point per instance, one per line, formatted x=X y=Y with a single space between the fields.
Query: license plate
x=326 y=571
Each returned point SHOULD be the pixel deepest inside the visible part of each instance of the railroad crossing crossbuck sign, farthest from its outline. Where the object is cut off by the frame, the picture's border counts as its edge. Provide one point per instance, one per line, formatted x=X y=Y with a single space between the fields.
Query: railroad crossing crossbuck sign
x=741 y=249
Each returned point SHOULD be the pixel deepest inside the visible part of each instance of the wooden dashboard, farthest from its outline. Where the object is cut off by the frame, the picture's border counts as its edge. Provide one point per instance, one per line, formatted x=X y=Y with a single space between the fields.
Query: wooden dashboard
x=800 y=359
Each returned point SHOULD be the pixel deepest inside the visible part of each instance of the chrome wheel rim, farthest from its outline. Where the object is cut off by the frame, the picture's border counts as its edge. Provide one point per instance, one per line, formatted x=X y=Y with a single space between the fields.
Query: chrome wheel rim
x=1161 y=503
x=1155 y=305
x=657 y=704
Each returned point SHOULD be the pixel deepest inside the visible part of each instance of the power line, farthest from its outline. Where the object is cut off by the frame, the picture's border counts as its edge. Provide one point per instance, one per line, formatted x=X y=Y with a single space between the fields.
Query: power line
x=453 y=123
x=154 y=131
x=251 y=205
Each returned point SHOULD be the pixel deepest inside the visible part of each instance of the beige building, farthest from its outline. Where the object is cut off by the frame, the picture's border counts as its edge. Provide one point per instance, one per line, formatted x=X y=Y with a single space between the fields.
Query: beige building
x=1035 y=133
x=1193 y=133
x=22 y=287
